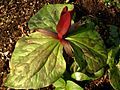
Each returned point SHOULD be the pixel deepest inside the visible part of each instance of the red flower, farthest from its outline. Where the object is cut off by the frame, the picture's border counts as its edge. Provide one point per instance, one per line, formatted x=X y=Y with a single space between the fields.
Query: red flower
x=64 y=23
x=63 y=27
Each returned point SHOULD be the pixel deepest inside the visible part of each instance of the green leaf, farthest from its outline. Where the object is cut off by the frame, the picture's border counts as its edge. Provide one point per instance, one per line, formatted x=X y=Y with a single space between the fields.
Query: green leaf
x=114 y=75
x=90 y=44
x=80 y=76
x=72 y=86
x=79 y=57
x=112 y=60
x=48 y=17
x=99 y=73
x=60 y=84
x=114 y=71
x=37 y=61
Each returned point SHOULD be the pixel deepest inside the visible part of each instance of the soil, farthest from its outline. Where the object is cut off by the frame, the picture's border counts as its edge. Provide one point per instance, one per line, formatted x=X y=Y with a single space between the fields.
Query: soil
x=14 y=15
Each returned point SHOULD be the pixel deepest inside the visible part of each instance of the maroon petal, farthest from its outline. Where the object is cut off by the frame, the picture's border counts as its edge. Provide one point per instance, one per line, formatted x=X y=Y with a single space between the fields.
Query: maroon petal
x=64 y=23
x=47 y=33
x=67 y=47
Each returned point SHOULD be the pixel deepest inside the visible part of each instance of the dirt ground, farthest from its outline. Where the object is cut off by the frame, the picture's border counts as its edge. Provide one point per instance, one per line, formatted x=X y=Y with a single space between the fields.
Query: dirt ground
x=14 y=15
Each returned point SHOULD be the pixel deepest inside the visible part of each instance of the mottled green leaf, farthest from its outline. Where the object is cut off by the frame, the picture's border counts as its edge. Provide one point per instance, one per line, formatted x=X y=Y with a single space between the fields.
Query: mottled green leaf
x=99 y=73
x=79 y=76
x=79 y=57
x=89 y=42
x=37 y=61
x=60 y=84
x=112 y=54
x=48 y=17
x=72 y=86
x=114 y=70
x=114 y=75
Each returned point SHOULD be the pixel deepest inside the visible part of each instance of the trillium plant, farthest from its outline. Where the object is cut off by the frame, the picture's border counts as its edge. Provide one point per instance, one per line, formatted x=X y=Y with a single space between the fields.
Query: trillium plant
x=38 y=60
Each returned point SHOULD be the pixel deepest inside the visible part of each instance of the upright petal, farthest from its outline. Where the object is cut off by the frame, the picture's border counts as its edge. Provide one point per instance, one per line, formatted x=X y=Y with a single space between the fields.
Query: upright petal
x=64 y=23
